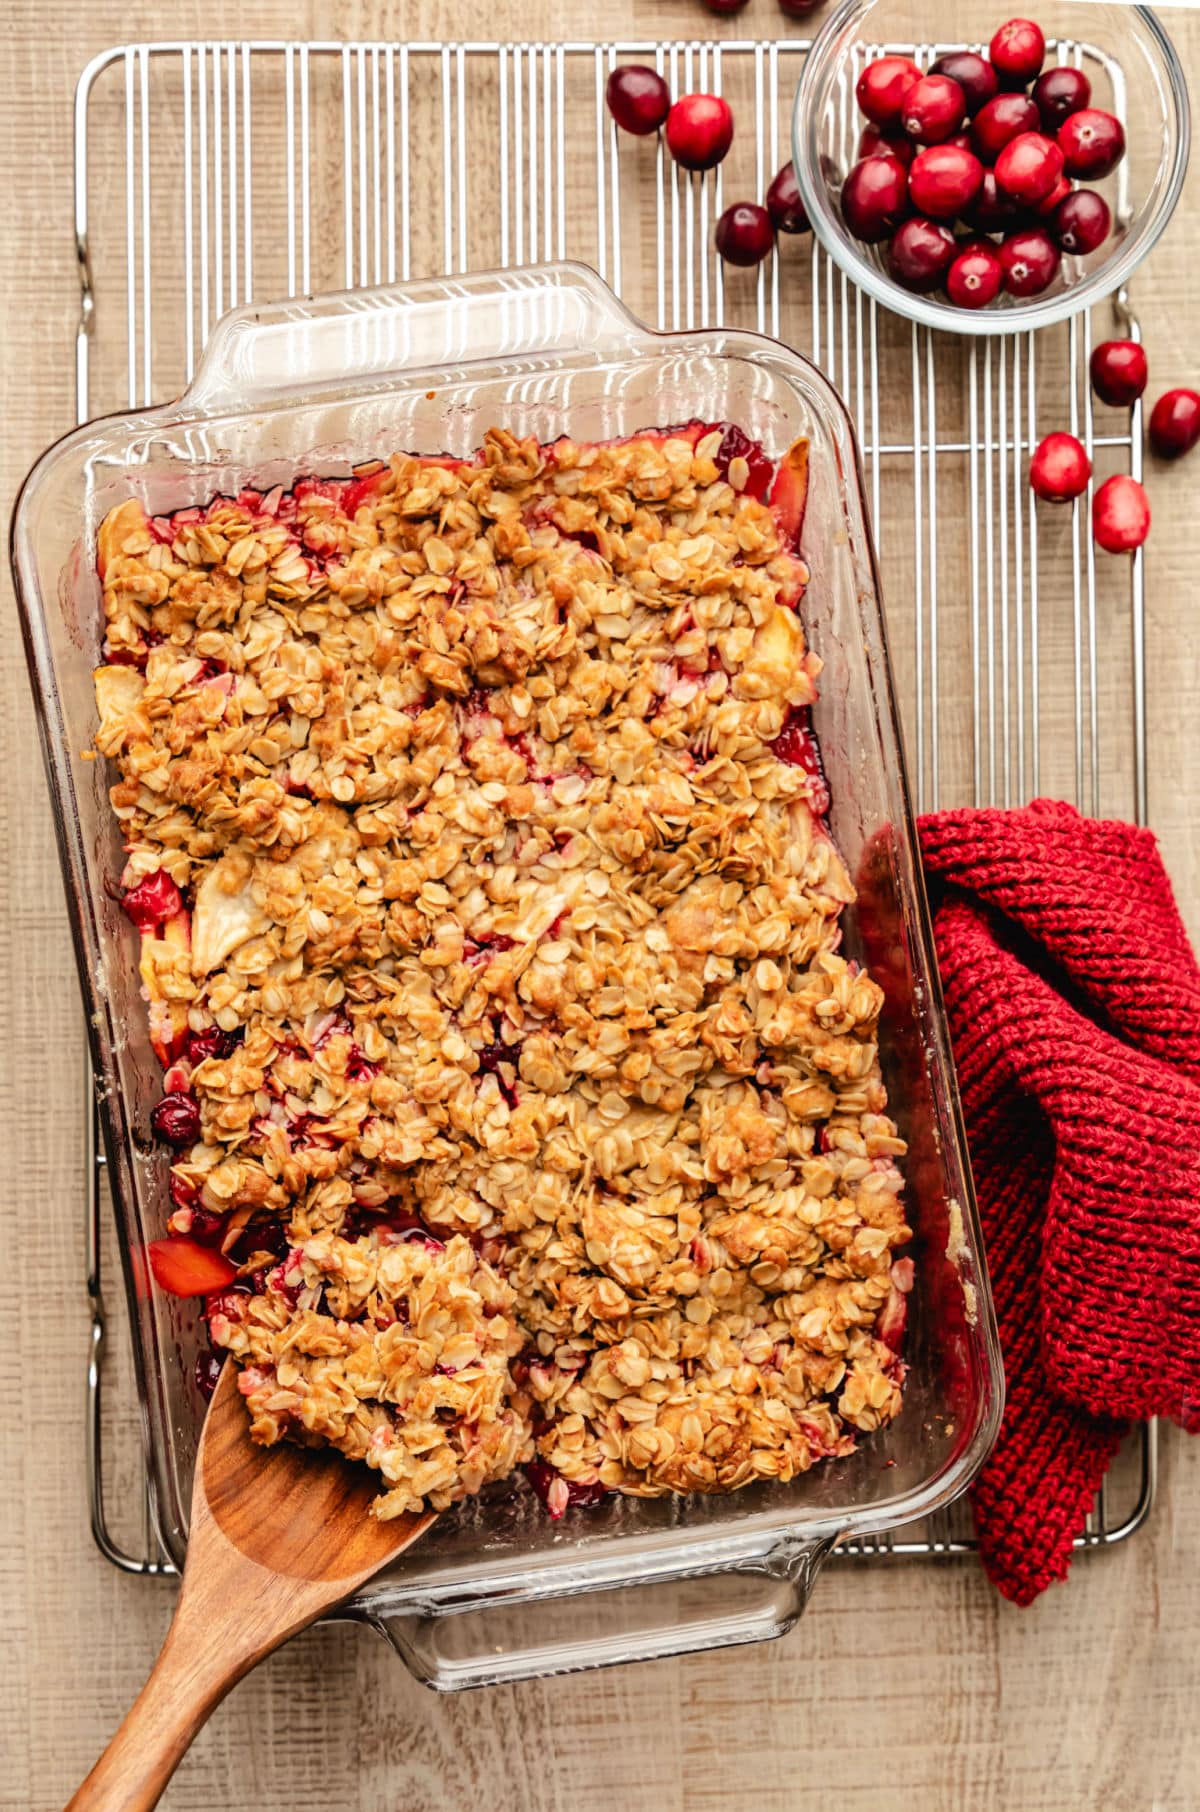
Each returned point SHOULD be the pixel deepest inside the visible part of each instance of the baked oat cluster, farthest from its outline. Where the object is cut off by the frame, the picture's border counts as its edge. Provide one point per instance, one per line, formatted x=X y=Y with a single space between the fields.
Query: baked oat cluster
x=524 y=1110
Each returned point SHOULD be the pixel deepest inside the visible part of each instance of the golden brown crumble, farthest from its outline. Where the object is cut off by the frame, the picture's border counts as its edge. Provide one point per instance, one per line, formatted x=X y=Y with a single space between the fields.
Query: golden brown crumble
x=508 y=987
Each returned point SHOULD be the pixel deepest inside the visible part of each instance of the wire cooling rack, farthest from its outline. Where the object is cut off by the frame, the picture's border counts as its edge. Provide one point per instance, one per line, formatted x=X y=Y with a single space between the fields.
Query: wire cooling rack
x=209 y=174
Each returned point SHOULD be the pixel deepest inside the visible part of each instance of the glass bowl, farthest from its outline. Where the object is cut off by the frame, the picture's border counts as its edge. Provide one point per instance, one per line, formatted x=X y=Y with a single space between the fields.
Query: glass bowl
x=1134 y=72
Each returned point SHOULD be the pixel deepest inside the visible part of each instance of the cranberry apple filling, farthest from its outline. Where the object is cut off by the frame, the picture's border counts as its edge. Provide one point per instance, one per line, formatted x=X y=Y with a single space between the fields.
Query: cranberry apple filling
x=521 y=1110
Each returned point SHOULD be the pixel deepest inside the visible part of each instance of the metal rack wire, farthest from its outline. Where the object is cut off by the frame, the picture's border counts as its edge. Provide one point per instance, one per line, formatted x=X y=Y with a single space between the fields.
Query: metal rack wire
x=208 y=174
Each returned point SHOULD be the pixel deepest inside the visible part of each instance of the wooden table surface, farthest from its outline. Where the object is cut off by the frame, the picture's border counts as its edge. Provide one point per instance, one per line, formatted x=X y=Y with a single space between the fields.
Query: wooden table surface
x=913 y=1689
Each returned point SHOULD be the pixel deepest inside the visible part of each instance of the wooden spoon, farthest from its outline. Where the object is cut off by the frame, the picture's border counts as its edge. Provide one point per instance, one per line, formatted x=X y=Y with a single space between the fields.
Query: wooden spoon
x=278 y=1535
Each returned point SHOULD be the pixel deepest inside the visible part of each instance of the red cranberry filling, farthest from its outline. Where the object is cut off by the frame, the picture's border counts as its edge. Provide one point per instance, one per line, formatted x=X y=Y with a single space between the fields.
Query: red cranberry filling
x=153 y=900
x=550 y=1484
x=797 y=745
x=208 y=1371
x=737 y=445
x=198 y=1047
x=490 y=1058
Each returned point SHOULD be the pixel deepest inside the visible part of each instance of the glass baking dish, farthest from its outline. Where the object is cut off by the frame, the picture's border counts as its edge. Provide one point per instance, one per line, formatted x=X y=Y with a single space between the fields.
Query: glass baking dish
x=497 y=1591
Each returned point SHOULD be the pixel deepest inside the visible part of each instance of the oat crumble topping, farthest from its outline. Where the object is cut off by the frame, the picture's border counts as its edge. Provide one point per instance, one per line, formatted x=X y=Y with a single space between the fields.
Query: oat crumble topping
x=524 y=1110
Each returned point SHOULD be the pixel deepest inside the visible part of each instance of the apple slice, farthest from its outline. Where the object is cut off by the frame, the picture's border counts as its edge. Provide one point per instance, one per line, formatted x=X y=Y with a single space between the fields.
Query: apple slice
x=125 y=530
x=789 y=491
x=184 y=1267
x=223 y=919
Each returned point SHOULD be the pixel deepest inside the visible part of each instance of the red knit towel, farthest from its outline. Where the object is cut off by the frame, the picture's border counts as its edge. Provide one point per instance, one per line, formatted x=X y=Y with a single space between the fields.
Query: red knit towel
x=1074 y=1006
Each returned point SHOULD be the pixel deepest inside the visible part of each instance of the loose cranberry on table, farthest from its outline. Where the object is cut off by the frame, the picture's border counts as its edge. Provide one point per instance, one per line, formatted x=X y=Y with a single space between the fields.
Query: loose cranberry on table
x=875 y=198
x=800 y=9
x=1031 y=260
x=725 y=6
x=1118 y=371
x=1059 y=469
x=991 y=212
x=973 y=73
x=1092 y=143
x=699 y=131
x=882 y=87
x=944 y=180
x=785 y=204
x=1058 y=93
x=873 y=141
x=976 y=275
x=1120 y=515
x=933 y=110
x=1016 y=52
x=1175 y=423
x=1029 y=167
x=1001 y=120
x=638 y=98
x=744 y=233
x=920 y=254
x=1082 y=222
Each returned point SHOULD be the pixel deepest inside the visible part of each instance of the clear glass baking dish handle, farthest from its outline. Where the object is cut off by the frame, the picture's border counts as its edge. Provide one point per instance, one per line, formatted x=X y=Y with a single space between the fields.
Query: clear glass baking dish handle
x=497 y=1643
x=258 y=356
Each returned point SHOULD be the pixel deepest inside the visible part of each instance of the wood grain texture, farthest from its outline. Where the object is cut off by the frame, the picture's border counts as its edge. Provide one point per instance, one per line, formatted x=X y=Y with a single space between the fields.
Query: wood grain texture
x=276 y=1538
x=913 y=1689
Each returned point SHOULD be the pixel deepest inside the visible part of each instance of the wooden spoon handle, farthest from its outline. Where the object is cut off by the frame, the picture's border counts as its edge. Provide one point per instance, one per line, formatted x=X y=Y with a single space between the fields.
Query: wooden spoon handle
x=209 y=1647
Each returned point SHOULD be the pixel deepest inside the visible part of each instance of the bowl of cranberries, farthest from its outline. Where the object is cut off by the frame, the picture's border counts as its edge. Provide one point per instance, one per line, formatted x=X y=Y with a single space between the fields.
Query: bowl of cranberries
x=999 y=181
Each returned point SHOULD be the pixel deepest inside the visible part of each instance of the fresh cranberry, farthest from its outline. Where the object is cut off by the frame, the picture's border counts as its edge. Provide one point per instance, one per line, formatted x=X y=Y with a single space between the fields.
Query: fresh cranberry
x=800 y=9
x=208 y=1372
x=177 y=1120
x=1059 y=469
x=882 y=87
x=973 y=73
x=1016 y=52
x=1120 y=515
x=744 y=234
x=785 y=204
x=638 y=99
x=991 y=212
x=1028 y=167
x=725 y=6
x=944 y=181
x=797 y=746
x=1118 y=371
x=1001 y=120
x=1059 y=93
x=873 y=141
x=1031 y=260
x=1175 y=423
x=920 y=254
x=933 y=110
x=875 y=198
x=976 y=276
x=699 y=131
x=1049 y=204
x=1092 y=143
x=152 y=901
x=1082 y=222
x=556 y=1492
x=736 y=444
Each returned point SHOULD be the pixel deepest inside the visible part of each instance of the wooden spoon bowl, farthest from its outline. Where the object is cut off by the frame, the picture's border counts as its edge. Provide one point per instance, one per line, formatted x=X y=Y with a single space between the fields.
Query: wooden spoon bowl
x=278 y=1535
